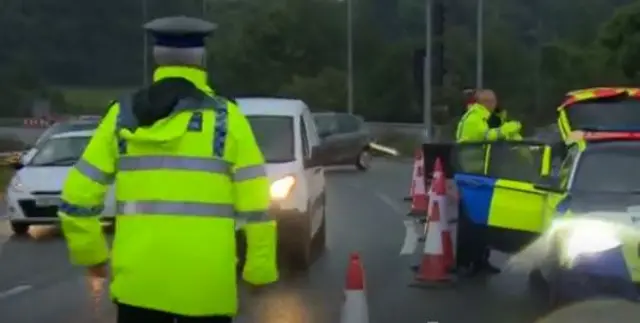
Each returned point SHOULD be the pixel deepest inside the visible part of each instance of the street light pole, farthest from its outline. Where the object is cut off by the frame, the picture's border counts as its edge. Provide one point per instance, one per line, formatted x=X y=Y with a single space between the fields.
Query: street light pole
x=427 y=69
x=145 y=44
x=350 y=106
x=480 y=45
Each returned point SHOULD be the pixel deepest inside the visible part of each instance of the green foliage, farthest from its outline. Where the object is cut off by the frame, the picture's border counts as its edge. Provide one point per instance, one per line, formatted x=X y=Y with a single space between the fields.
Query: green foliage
x=621 y=36
x=534 y=52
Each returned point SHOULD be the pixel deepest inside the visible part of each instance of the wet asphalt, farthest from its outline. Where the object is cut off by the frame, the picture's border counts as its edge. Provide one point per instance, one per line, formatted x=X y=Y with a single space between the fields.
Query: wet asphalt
x=365 y=214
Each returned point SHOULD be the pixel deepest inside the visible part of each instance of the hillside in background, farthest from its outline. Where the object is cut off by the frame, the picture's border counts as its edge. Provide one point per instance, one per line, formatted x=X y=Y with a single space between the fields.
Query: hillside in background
x=534 y=51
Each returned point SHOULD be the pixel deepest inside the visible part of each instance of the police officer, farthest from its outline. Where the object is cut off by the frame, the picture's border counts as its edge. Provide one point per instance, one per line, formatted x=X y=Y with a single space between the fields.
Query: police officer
x=186 y=166
x=473 y=253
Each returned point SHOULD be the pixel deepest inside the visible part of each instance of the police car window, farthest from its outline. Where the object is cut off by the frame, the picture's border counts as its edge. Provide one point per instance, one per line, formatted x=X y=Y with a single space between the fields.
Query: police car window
x=275 y=136
x=60 y=151
x=616 y=113
x=609 y=167
x=305 y=141
x=516 y=162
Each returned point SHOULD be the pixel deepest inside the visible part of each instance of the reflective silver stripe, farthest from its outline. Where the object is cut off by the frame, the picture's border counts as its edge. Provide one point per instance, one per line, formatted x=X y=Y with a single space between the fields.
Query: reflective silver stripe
x=205 y=164
x=249 y=172
x=175 y=208
x=253 y=216
x=93 y=172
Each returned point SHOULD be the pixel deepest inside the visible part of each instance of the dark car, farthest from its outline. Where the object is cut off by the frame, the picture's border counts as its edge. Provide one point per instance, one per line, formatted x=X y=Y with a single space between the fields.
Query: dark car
x=346 y=137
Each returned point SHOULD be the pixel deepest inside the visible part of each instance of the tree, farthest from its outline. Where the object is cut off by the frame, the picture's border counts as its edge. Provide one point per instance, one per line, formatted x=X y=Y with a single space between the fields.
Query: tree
x=621 y=37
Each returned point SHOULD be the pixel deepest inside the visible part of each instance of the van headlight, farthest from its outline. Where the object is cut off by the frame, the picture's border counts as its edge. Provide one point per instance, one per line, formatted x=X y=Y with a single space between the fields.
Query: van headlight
x=281 y=188
x=590 y=238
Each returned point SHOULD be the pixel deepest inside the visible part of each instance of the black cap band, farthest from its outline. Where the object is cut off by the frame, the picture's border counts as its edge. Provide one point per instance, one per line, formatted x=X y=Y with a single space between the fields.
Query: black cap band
x=179 y=40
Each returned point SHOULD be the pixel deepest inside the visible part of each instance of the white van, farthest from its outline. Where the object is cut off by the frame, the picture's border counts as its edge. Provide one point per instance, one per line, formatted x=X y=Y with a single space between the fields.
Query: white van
x=286 y=133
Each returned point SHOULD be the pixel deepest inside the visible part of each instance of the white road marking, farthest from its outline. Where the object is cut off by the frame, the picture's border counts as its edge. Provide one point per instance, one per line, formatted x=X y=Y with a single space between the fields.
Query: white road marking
x=410 y=238
x=14 y=291
x=390 y=203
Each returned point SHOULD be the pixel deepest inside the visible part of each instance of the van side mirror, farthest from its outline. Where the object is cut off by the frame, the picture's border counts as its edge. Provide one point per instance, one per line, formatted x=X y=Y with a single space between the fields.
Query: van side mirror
x=549 y=184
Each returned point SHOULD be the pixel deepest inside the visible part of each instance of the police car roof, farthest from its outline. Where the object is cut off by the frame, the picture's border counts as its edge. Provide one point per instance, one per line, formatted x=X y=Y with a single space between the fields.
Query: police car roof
x=74 y=134
x=271 y=106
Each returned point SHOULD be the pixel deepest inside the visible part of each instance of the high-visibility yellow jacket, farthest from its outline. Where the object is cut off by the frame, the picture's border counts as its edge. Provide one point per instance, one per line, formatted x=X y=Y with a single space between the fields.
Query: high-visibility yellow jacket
x=504 y=118
x=473 y=126
x=180 y=185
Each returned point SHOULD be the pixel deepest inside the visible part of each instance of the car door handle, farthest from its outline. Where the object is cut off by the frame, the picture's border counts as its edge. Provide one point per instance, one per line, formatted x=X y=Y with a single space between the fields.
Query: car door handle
x=475 y=183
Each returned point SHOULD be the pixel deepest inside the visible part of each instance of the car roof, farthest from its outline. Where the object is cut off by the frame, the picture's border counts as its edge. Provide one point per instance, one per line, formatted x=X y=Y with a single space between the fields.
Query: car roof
x=78 y=121
x=270 y=106
x=73 y=134
x=335 y=114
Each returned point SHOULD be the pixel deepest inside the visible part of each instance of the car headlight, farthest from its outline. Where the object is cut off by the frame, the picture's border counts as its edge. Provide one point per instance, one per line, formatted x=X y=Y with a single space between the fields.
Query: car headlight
x=16 y=185
x=281 y=188
x=590 y=237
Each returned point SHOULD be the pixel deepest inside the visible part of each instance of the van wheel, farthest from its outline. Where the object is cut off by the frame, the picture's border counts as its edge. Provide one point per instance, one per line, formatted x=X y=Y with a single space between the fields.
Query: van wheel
x=300 y=255
x=19 y=228
x=363 y=161
x=320 y=239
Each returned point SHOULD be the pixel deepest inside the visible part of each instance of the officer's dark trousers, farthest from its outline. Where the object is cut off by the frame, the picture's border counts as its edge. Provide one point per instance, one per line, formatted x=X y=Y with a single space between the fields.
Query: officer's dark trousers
x=472 y=242
x=132 y=314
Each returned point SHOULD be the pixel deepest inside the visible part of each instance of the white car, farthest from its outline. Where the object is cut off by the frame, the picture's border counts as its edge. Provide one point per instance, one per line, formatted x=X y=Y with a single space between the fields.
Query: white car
x=34 y=191
x=287 y=136
x=60 y=127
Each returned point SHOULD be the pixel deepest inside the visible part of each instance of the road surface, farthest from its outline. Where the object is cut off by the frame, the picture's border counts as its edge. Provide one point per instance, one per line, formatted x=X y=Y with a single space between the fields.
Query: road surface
x=365 y=214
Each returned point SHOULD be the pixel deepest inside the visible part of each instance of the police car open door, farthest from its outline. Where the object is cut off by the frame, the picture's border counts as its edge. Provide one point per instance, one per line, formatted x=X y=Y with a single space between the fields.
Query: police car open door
x=495 y=182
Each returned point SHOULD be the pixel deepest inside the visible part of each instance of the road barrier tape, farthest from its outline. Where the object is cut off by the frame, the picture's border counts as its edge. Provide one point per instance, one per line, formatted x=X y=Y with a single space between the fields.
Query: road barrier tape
x=383 y=149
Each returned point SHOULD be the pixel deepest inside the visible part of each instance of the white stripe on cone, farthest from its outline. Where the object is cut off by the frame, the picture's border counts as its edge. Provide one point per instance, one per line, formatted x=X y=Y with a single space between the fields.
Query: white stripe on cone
x=433 y=244
x=355 y=308
x=435 y=227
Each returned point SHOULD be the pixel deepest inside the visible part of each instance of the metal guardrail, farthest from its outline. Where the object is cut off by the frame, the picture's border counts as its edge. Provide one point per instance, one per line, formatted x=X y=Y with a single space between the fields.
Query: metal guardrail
x=374 y=126
x=33 y=125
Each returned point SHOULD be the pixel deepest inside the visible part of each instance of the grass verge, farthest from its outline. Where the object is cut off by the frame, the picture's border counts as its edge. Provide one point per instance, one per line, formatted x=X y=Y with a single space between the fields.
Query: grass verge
x=6 y=174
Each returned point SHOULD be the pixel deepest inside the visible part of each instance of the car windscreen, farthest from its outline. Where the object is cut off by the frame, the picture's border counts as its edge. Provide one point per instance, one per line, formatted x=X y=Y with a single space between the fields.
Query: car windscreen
x=326 y=123
x=615 y=113
x=609 y=167
x=59 y=151
x=275 y=136
x=66 y=127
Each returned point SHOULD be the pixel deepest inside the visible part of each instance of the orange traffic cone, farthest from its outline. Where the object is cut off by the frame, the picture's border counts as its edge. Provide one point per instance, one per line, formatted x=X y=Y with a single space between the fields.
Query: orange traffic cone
x=438 y=257
x=419 y=196
x=355 y=308
x=418 y=161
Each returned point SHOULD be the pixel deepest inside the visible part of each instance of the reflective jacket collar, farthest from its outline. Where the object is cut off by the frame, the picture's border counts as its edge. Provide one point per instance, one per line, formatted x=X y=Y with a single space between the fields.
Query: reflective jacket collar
x=481 y=110
x=192 y=74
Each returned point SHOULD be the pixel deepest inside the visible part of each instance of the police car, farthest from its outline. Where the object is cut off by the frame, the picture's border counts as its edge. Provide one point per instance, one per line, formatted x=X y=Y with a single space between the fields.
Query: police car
x=584 y=217
x=33 y=194
x=286 y=133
